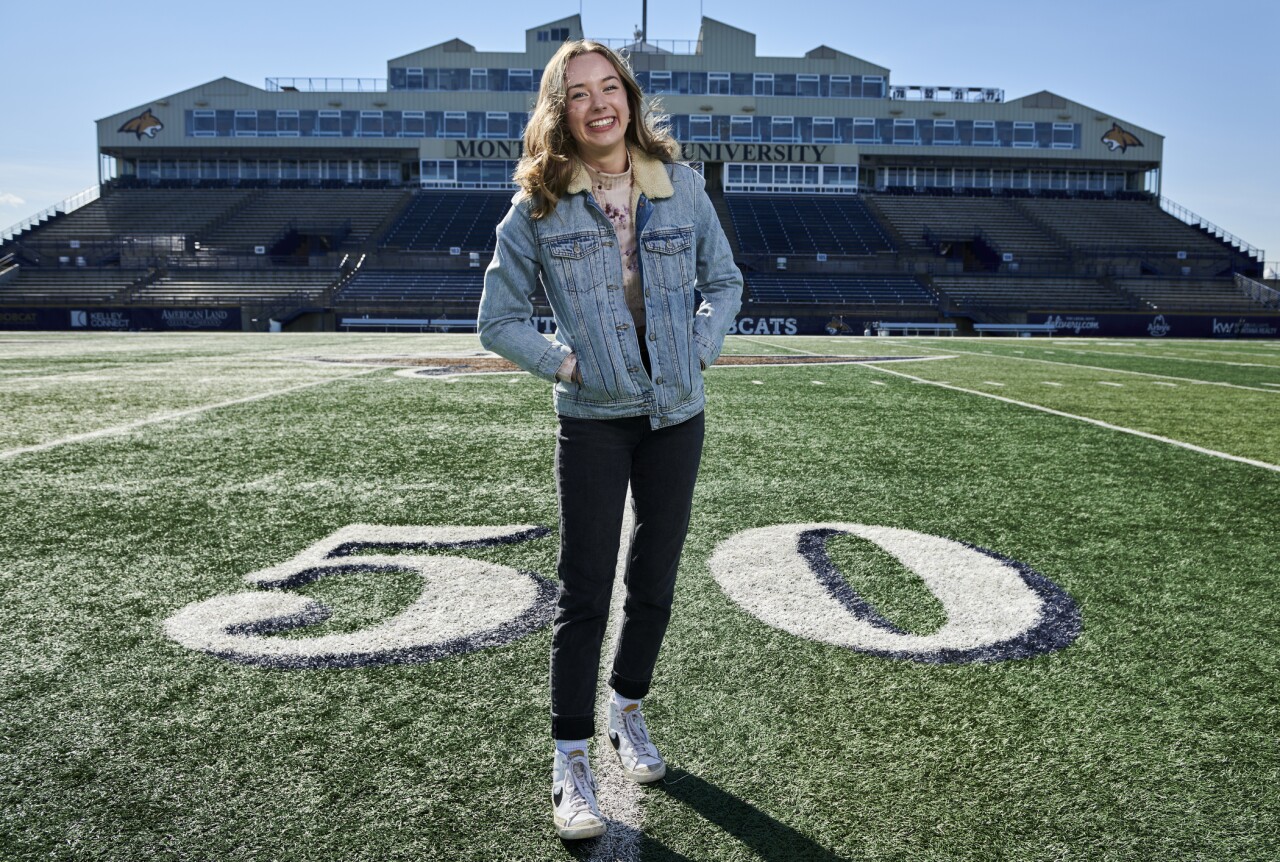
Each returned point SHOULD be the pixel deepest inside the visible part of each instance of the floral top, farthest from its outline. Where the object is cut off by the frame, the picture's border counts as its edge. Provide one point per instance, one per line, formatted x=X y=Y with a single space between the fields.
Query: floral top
x=613 y=194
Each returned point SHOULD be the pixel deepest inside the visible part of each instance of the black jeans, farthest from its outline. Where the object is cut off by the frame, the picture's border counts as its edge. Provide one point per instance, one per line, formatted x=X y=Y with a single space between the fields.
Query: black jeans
x=595 y=461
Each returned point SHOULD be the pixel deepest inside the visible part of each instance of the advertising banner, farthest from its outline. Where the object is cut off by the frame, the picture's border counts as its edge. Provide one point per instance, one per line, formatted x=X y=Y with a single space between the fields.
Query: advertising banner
x=120 y=319
x=1161 y=325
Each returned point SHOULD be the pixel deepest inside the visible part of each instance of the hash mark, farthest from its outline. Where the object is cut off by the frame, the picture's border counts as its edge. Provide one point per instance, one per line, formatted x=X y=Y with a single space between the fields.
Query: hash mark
x=1050 y=383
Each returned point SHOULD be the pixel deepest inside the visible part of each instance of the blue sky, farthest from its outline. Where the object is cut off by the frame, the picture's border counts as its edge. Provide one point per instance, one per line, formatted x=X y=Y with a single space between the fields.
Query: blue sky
x=1203 y=74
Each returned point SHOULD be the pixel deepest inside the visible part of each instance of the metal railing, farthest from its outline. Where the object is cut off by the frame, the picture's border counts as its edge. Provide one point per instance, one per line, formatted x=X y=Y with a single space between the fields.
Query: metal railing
x=1271 y=271
x=1258 y=292
x=926 y=93
x=1178 y=211
x=71 y=204
x=652 y=46
x=326 y=85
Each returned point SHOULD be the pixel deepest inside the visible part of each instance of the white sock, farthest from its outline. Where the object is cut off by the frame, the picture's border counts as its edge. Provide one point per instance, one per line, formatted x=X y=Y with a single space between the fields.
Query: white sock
x=568 y=746
x=622 y=702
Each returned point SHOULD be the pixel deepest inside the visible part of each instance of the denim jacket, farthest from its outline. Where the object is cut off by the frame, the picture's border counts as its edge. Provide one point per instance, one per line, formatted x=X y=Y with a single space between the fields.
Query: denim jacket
x=681 y=247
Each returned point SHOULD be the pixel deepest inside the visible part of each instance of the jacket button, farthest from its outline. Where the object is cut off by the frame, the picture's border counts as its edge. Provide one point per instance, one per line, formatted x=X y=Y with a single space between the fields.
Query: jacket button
x=646 y=291
x=657 y=381
x=623 y=327
x=632 y=369
x=653 y=336
x=613 y=287
x=608 y=244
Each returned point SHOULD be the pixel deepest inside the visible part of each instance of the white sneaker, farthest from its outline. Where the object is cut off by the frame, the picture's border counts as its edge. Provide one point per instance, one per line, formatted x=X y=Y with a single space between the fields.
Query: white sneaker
x=573 y=795
x=641 y=761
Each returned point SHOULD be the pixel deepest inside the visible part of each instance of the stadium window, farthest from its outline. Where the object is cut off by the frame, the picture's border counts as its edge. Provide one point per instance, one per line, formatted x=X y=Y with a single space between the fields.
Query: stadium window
x=455 y=124
x=864 y=131
x=810 y=174
x=370 y=124
x=898 y=177
x=544 y=35
x=734 y=174
x=717 y=83
x=287 y=124
x=697 y=83
x=204 y=124
x=413 y=124
x=480 y=79
x=784 y=85
x=496 y=124
x=824 y=130
x=873 y=86
x=329 y=124
x=741 y=83
x=246 y=124
x=782 y=130
x=982 y=178
x=659 y=82
x=266 y=124
x=288 y=169
x=904 y=132
x=984 y=133
x=413 y=79
x=1064 y=136
x=520 y=80
x=1024 y=134
x=808 y=86
x=762 y=84
x=944 y=133
x=841 y=86
x=741 y=128
x=309 y=169
x=1114 y=181
x=700 y=127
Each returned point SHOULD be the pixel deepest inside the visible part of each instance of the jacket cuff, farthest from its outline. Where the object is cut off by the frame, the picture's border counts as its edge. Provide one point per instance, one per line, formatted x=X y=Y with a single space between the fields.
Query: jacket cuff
x=550 y=361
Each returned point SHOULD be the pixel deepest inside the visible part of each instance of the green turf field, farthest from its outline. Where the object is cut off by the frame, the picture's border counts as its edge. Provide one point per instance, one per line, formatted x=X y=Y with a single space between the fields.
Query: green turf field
x=144 y=477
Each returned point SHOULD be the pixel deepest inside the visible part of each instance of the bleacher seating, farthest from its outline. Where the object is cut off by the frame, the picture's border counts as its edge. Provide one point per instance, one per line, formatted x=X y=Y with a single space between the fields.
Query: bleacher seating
x=805 y=224
x=439 y=221
x=836 y=289
x=140 y=212
x=1007 y=230
x=1127 y=226
x=1190 y=294
x=234 y=287
x=1019 y=292
x=59 y=286
x=389 y=288
x=264 y=218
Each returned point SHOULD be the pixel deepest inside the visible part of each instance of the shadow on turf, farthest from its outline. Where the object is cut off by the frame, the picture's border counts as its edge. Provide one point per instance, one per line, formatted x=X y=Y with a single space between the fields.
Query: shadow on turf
x=770 y=839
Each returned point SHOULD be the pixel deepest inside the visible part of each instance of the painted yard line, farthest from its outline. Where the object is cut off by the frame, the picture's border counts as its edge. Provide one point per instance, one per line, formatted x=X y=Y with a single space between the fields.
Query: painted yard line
x=166 y=417
x=991 y=383
x=1109 y=383
x=1098 y=422
x=1271 y=384
x=852 y=358
x=619 y=797
x=1111 y=370
x=1167 y=383
x=1173 y=358
x=1047 y=383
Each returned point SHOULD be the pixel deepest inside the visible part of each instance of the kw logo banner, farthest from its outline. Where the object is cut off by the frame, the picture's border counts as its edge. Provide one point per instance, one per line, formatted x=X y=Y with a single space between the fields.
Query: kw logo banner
x=997 y=609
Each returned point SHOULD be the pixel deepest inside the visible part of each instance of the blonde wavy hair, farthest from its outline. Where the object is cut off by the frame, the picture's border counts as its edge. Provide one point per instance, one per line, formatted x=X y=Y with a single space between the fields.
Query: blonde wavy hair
x=550 y=152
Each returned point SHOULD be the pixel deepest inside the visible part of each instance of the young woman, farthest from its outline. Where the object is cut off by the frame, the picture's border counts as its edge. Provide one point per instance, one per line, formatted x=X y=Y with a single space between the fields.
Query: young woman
x=620 y=237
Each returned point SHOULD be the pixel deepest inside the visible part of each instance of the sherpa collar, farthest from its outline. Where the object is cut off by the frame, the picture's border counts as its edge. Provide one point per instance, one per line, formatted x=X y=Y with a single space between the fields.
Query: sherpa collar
x=648 y=177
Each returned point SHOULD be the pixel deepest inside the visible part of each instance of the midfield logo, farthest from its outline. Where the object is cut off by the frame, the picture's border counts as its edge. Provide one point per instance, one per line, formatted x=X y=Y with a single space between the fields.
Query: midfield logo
x=997 y=609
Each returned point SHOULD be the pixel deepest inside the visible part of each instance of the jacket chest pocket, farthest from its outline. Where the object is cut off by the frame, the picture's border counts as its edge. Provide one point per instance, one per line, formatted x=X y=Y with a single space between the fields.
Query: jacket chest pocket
x=575 y=260
x=671 y=249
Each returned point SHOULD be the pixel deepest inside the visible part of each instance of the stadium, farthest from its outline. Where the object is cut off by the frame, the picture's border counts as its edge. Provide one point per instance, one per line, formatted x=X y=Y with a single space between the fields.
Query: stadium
x=287 y=596
x=853 y=203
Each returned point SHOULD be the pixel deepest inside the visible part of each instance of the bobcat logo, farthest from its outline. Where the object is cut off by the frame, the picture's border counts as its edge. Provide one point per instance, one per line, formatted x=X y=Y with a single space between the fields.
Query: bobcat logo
x=143 y=124
x=1120 y=139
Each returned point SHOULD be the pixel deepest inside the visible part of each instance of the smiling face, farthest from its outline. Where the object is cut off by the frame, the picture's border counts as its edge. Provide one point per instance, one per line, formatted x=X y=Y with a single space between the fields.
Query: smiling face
x=597 y=112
